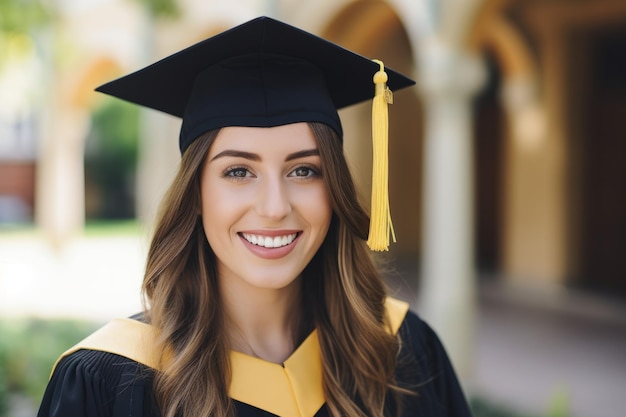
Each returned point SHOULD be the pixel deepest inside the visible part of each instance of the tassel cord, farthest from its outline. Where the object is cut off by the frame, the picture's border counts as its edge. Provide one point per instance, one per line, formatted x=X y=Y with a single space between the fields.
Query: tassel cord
x=381 y=225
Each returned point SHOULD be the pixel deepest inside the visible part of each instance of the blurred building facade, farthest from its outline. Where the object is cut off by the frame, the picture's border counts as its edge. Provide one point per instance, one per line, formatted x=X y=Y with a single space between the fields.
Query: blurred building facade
x=506 y=159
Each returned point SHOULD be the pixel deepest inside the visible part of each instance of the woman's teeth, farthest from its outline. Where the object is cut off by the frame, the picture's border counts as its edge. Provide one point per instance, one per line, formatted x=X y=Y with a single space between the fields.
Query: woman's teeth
x=268 y=241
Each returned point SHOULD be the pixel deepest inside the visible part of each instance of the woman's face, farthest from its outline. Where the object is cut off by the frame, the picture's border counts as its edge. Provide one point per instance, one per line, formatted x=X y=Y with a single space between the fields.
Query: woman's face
x=265 y=207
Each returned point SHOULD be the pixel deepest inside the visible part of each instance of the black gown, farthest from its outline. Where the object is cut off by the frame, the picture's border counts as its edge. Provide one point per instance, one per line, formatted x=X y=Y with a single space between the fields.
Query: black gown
x=91 y=383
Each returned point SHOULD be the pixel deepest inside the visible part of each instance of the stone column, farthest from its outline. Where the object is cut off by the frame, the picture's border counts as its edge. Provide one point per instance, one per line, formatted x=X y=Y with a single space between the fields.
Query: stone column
x=60 y=189
x=157 y=163
x=64 y=124
x=534 y=200
x=537 y=210
x=448 y=79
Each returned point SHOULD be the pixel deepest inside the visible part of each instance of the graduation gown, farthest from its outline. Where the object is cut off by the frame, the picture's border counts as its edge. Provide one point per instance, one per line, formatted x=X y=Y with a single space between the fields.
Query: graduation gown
x=101 y=378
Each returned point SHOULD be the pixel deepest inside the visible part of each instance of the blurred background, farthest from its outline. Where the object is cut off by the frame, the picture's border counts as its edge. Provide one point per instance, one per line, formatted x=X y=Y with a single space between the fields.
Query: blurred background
x=507 y=180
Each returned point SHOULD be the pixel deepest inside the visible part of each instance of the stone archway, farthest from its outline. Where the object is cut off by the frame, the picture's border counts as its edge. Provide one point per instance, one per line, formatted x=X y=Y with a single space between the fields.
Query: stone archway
x=60 y=197
x=532 y=223
x=375 y=30
x=551 y=190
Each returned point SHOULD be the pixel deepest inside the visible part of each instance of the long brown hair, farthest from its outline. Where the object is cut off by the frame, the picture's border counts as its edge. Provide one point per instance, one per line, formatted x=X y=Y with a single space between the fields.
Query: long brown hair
x=342 y=291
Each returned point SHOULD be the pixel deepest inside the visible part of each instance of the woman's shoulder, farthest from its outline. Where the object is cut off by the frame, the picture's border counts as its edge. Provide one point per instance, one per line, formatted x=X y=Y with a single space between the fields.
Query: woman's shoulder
x=414 y=327
x=99 y=364
x=94 y=383
x=424 y=366
x=420 y=341
x=129 y=338
x=406 y=322
x=101 y=358
x=105 y=371
x=102 y=377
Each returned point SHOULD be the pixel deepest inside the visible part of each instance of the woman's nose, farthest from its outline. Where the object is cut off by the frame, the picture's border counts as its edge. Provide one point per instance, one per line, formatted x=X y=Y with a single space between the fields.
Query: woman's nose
x=273 y=199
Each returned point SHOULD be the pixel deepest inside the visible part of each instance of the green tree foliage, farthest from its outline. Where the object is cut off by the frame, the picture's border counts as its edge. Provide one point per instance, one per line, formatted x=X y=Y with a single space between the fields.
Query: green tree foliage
x=161 y=8
x=21 y=16
x=111 y=160
x=19 y=19
x=28 y=349
x=484 y=408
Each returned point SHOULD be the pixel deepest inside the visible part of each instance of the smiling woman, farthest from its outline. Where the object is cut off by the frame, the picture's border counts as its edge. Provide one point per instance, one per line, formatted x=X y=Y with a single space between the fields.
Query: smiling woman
x=261 y=295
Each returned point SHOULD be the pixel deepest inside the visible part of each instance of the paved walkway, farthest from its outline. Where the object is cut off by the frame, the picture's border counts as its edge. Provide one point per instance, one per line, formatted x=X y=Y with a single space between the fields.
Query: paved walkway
x=534 y=349
x=529 y=348
x=527 y=355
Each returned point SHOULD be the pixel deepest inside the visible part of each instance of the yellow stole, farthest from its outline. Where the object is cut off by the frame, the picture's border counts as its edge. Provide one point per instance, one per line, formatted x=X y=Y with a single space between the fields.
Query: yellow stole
x=293 y=388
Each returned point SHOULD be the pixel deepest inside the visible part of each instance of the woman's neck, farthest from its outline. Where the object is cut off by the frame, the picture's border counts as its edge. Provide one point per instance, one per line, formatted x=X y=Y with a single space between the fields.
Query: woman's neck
x=263 y=322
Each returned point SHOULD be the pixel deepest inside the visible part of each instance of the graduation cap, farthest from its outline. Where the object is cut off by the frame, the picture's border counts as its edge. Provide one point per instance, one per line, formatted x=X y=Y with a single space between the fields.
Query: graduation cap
x=266 y=73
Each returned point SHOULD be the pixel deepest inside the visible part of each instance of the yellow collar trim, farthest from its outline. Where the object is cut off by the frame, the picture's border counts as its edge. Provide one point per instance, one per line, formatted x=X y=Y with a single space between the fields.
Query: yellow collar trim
x=256 y=382
x=266 y=385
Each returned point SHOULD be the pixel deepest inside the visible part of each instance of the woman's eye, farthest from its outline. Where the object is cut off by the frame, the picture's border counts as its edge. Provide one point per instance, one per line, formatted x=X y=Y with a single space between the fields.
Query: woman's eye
x=237 y=172
x=305 y=172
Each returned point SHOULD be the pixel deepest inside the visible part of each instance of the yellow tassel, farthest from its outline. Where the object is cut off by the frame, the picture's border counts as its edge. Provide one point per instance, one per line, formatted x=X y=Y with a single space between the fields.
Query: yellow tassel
x=380 y=217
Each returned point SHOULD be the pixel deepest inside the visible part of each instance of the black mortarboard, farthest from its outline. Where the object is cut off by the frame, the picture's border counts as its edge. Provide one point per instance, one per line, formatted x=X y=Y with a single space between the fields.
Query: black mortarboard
x=262 y=73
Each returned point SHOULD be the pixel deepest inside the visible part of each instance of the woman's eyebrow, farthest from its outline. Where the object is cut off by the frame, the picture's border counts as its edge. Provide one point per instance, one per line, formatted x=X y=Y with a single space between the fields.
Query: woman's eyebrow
x=241 y=154
x=255 y=157
x=302 y=154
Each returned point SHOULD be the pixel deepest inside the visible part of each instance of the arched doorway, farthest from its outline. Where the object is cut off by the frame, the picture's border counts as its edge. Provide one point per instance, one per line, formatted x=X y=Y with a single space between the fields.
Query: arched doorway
x=601 y=117
x=489 y=141
x=502 y=130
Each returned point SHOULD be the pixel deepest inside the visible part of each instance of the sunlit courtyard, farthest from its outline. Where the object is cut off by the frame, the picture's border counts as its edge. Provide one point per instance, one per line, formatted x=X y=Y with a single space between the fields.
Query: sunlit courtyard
x=91 y=277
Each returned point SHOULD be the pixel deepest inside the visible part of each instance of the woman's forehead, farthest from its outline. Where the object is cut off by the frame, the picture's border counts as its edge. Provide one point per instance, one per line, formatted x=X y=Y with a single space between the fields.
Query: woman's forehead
x=279 y=139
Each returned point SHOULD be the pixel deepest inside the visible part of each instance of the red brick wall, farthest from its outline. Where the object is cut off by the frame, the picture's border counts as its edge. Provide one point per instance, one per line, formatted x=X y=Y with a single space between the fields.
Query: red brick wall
x=18 y=179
